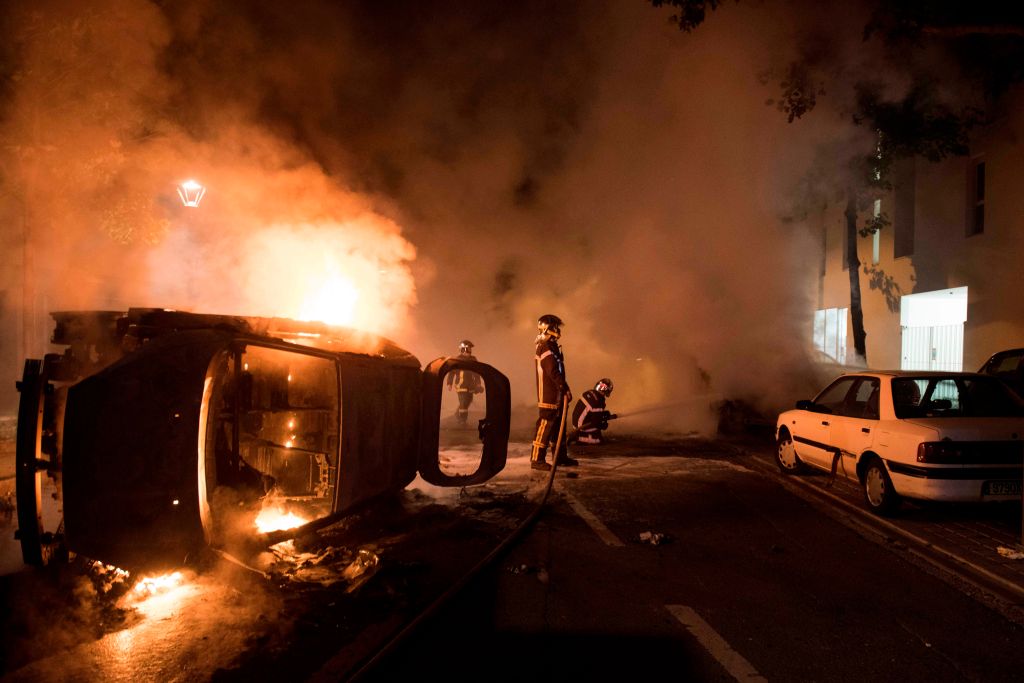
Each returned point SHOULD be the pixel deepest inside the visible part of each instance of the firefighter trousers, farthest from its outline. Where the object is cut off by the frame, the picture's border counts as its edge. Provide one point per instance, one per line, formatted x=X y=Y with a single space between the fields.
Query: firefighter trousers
x=548 y=423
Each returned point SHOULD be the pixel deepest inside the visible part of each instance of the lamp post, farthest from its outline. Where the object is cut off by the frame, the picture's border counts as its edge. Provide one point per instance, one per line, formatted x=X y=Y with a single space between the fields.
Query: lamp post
x=191 y=193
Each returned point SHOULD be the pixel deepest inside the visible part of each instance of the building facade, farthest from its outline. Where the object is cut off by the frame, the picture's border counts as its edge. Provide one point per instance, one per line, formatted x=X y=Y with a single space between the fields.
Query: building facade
x=942 y=284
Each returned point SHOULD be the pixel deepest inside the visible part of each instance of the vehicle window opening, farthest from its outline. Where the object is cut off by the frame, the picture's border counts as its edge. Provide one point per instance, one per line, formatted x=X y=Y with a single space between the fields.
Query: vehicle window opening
x=863 y=402
x=276 y=436
x=832 y=399
x=946 y=396
x=463 y=410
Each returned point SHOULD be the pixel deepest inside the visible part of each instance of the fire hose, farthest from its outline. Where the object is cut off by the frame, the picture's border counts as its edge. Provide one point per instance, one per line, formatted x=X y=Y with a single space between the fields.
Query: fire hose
x=457 y=587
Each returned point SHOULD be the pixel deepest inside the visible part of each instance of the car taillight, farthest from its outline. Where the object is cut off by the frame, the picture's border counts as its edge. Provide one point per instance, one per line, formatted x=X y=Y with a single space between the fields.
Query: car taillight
x=941 y=453
x=971 y=452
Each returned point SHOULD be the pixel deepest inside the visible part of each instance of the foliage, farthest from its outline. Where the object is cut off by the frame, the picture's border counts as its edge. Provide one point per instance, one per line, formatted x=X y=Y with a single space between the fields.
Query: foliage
x=984 y=39
x=691 y=12
x=800 y=90
x=874 y=224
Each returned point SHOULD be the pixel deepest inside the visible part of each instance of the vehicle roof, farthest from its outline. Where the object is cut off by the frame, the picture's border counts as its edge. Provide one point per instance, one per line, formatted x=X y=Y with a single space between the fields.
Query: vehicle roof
x=913 y=373
x=1006 y=352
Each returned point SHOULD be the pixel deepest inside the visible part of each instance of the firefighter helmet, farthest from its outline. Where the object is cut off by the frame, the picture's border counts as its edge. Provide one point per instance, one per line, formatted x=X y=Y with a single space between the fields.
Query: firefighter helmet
x=465 y=346
x=550 y=326
x=604 y=387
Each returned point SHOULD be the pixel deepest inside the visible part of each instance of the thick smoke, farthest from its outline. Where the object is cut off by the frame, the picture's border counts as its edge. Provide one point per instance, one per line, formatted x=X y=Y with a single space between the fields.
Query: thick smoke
x=467 y=166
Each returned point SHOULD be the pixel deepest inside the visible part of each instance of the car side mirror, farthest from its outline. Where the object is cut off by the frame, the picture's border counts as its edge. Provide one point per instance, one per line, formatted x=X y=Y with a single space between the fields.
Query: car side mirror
x=805 y=405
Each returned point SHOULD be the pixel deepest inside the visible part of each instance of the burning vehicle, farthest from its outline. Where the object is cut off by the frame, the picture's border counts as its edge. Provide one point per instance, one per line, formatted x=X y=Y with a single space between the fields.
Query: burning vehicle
x=163 y=433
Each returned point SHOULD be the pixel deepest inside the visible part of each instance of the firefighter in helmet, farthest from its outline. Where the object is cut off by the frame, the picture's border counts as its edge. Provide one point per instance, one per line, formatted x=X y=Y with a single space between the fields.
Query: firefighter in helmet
x=590 y=416
x=466 y=383
x=553 y=395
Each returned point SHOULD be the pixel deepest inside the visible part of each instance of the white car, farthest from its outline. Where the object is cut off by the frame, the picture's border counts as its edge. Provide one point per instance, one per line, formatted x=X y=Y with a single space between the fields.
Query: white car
x=941 y=436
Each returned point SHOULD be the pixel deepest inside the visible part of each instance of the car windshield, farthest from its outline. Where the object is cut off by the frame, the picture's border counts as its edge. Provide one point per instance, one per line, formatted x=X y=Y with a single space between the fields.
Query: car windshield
x=954 y=396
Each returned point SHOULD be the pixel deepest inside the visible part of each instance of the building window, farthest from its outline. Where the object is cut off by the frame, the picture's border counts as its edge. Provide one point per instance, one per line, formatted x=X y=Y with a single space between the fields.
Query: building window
x=976 y=205
x=830 y=333
x=903 y=223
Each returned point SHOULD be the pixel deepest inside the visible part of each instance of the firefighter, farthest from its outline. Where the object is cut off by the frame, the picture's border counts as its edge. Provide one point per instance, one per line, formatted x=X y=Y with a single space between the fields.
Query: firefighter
x=464 y=382
x=552 y=391
x=590 y=416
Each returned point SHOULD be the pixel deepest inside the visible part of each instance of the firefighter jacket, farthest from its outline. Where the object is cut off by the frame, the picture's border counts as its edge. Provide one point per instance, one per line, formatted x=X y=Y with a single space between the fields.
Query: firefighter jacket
x=465 y=381
x=551 y=384
x=589 y=411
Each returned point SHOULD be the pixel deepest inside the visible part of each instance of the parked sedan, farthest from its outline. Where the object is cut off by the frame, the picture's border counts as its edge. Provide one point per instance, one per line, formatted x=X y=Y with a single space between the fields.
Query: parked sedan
x=942 y=436
x=1008 y=366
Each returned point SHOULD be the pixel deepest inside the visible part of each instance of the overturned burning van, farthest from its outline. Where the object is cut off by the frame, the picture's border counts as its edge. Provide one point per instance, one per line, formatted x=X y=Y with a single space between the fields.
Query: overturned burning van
x=164 y=432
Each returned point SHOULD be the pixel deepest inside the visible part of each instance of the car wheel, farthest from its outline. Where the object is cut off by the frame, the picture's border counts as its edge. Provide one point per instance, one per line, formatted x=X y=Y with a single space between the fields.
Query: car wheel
x=880 y=496
x=785 y=456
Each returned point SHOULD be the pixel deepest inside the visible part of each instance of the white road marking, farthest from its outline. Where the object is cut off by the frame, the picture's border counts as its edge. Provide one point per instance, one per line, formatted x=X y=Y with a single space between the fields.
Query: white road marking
x=603 y=532
x=732 y=661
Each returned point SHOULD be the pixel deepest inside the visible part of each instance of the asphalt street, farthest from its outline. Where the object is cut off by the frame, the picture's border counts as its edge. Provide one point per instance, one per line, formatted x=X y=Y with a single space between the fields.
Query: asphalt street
x=693 y=560
x=657 y=554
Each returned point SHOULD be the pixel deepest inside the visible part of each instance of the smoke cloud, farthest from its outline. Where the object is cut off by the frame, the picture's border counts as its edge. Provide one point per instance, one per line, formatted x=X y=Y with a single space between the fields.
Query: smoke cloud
x=432 y=172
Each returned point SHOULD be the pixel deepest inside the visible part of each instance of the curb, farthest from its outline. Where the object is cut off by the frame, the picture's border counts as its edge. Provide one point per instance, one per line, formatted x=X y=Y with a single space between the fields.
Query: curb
x=990 y=588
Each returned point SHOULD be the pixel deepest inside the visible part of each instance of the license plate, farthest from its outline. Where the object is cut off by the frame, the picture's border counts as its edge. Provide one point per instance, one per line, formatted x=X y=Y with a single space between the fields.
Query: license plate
x=1001 y=488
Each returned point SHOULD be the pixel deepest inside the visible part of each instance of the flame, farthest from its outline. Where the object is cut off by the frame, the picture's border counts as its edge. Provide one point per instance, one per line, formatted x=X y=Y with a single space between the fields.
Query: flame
x=153 y=585
x=334 y=302
x=350 y=274
x=276 y=519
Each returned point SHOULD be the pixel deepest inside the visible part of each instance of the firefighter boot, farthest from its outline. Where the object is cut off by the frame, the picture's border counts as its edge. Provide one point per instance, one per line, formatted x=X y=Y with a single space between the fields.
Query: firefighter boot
x=538 y=460
x=562 y=455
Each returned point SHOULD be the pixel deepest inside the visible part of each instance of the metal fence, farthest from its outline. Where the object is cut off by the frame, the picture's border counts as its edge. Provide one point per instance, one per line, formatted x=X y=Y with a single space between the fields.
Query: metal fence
x=933 y=348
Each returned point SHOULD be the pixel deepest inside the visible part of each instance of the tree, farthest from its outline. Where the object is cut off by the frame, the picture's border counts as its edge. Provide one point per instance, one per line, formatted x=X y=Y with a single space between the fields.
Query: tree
x=910 y=41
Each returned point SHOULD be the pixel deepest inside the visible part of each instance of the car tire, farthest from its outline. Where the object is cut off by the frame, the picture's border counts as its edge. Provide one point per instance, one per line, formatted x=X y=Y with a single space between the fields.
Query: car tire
x=785 y=456
x=879 y=494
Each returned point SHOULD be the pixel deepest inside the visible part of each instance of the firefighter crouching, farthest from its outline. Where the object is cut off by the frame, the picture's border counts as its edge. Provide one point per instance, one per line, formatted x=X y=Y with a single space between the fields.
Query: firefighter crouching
x=464 y=382
x=590 y=416
x=552 y=389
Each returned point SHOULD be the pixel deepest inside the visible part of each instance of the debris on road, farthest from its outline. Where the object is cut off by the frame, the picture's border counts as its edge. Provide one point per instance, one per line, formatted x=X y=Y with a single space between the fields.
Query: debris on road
x=361 y=568
x=1010 y=553
x=653 y=537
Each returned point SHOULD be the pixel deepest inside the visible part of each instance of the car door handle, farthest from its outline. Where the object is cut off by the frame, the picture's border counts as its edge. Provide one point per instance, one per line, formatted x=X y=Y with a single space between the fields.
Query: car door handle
x=865 y=430
x=824 y=424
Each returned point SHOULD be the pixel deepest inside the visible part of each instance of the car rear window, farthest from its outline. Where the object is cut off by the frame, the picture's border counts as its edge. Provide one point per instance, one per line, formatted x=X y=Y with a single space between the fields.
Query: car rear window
x=951 y=396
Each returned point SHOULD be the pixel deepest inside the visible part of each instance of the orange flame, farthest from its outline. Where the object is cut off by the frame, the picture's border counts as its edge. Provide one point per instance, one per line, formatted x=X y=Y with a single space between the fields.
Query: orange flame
x=152 y=585
x=352 y=274
x=276 y=519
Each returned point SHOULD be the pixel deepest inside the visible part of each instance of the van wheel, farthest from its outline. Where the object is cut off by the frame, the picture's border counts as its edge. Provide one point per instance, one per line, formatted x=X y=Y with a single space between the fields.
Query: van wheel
x=880 y=496
x=785 y=456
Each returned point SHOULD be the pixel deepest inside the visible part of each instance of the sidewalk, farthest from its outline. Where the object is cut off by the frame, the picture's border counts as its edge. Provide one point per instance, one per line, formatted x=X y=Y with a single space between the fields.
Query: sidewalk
x=964 y=539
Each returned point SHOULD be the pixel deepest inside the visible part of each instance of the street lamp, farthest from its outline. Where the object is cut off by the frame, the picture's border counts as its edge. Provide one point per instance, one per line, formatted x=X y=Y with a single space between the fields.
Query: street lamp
x=191 y=193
